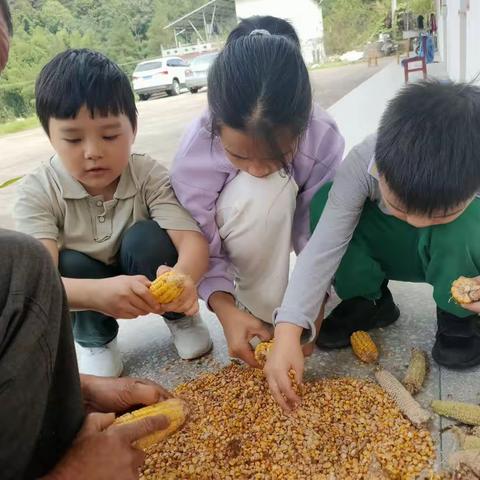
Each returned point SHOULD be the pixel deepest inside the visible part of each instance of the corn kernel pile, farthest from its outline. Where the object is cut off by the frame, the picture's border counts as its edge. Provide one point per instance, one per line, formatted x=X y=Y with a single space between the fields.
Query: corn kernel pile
x=344 y=428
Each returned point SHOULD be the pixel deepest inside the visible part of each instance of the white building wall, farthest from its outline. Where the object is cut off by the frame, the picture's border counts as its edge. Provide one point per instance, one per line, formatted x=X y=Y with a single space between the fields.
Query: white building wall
x=305 y=16
x=452 y=49
x=473 y=39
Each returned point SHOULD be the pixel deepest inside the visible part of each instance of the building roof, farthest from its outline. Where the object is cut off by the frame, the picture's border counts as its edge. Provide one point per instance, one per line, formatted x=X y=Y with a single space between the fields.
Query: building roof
x=207 y=21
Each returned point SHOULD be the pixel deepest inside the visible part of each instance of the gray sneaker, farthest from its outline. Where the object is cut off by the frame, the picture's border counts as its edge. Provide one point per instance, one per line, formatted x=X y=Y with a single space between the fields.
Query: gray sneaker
x=190 y=336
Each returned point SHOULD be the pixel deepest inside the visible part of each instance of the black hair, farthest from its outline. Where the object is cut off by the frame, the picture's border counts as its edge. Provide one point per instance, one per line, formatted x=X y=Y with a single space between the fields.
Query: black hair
x=259 y=82
x=75 y=78
x=5 y=10
x=428 y=145
x=273 y=25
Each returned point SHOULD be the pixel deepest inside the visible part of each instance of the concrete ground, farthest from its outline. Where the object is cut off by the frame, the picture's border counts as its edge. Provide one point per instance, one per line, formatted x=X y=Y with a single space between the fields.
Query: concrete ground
x=356 y=105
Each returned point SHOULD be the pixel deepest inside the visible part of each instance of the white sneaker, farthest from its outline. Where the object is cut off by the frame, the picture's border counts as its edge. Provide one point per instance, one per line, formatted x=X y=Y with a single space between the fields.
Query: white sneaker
x=105 y=361
x=190 y=336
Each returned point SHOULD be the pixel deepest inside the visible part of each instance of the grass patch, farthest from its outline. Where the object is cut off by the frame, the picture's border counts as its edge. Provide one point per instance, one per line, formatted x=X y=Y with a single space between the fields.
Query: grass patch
x=19 y=125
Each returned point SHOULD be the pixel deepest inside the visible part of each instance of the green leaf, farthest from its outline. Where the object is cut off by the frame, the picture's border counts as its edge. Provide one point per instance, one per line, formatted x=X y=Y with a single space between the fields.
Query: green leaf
x=10 y=182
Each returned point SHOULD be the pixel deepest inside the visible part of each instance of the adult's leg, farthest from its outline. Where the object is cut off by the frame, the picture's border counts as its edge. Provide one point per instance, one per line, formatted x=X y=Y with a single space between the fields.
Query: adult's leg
x=41 y=404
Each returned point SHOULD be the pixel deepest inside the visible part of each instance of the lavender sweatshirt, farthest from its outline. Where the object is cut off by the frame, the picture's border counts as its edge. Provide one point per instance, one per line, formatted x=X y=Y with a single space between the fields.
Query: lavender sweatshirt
x=201 y=170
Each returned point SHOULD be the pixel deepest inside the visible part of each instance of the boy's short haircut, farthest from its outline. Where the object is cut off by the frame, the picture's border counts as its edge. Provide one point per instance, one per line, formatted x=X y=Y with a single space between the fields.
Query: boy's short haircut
x=5 y=12
x=428 y=146
x=82 y=77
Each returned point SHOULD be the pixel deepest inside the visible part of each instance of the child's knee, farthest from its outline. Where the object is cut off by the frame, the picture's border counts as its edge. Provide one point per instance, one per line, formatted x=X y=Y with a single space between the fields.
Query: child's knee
x=149 y=245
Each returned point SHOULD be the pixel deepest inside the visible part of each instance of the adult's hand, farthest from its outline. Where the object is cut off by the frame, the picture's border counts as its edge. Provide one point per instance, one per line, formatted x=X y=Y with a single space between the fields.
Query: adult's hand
x=104 y=451
x=118 y=395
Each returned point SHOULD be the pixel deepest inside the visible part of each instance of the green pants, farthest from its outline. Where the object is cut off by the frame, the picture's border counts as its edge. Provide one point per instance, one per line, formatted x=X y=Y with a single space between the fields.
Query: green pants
x=383 y=247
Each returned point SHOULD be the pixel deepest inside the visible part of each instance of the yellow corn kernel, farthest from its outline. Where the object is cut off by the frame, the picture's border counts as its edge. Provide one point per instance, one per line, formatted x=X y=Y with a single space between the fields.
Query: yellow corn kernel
x=174 y=409
x=467 y=413
x=168 y=286
x=364 y=347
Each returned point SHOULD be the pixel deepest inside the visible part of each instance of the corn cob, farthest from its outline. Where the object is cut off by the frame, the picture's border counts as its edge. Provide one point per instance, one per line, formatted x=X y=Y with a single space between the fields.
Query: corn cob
x=476 y=431
x=261 y=351
x=364 y=347
x=467 y=458
x=465 y=290
x=416 y=372
x=174 y=409
x=471 y=442
x=467 y=413
x=404 y=401
x=168 y=286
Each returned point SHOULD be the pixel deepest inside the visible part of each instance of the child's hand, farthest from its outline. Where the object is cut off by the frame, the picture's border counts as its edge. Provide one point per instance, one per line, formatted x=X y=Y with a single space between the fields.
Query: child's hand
x=187 y=302
x=285 y=355
x=125 y=296
x=239 y=328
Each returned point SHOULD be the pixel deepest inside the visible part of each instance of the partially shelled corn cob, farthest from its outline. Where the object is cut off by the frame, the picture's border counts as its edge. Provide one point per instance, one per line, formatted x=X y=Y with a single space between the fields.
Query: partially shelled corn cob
x=168 y=286
x=465 y=290
x=174 y=409
x=261 y=351
x=416 y=372
x=364 y=347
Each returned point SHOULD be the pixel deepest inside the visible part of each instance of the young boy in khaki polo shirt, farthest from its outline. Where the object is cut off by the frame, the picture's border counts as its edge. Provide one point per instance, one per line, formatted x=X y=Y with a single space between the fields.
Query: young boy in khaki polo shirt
x=108 y=217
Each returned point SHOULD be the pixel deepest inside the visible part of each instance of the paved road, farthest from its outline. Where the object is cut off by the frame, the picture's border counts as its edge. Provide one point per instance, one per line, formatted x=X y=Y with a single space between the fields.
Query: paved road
x=161 y=123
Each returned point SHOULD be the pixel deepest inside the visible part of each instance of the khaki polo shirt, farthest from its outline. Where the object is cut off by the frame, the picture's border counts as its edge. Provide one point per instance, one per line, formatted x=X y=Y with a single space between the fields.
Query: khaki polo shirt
x=51 y=204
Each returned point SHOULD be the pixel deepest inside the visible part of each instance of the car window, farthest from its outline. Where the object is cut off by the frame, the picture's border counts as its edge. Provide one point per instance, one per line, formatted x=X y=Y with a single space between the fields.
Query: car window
x=173 y=62
x=144 y=67
x=203 y=61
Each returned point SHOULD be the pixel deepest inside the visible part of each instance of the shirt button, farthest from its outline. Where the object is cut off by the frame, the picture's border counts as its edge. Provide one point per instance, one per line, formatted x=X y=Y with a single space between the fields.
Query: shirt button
x=101 y=219
x=99 y=203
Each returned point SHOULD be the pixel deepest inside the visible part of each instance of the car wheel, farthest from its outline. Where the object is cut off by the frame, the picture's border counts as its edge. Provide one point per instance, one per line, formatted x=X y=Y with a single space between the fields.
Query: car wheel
x=175 y=90
x=194 y=90
x=144 y=96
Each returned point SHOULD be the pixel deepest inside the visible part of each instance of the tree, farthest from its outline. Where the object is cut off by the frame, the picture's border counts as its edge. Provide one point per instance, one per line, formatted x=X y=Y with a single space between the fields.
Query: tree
x=349 y=24
x=127 y=31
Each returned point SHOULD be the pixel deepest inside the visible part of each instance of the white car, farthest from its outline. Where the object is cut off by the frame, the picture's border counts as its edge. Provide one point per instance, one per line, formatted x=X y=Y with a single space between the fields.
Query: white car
x=197 y=73
x=159 y=75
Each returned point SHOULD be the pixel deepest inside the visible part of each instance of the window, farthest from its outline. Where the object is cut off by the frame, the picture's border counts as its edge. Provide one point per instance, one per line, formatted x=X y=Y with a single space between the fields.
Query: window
x=144 y=67
x=174 y=62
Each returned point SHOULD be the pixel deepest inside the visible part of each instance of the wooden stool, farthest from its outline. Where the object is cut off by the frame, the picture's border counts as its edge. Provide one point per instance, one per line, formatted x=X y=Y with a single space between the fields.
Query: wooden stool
x=372 y=54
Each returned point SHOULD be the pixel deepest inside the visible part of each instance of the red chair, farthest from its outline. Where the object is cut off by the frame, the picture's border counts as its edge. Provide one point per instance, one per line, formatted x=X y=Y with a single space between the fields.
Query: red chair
x=407 y=68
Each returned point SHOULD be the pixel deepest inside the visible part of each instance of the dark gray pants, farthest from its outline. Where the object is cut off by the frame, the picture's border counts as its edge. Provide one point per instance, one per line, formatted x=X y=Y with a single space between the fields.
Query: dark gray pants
x=145 y=246
x=41 y=407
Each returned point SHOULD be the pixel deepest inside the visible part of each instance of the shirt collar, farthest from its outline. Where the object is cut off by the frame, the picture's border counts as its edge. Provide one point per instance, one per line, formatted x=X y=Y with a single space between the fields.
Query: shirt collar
x=72 y=189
